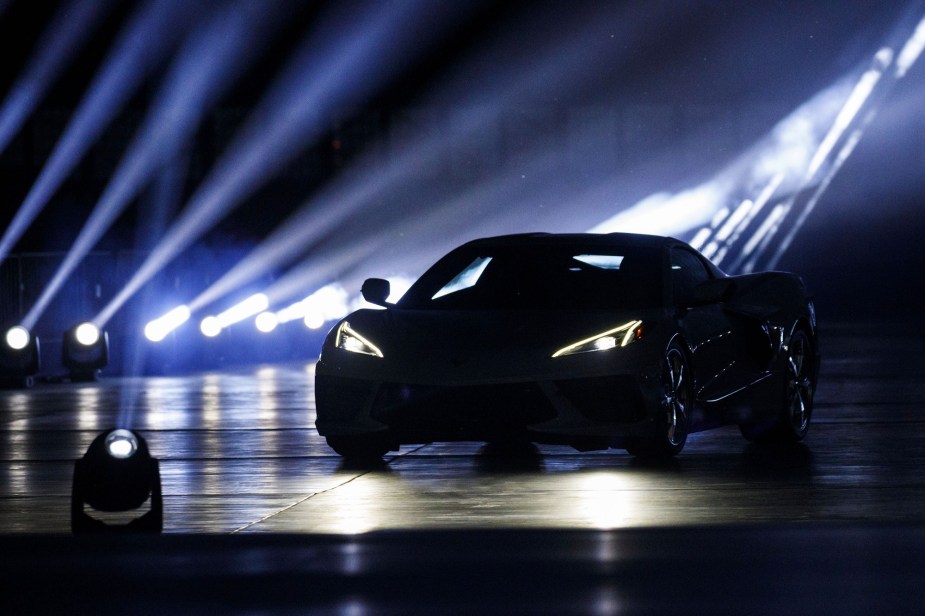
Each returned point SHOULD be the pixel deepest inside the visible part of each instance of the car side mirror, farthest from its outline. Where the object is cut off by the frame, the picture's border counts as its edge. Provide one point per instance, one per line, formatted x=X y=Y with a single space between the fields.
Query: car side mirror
x=376 y=291
x=712 y=292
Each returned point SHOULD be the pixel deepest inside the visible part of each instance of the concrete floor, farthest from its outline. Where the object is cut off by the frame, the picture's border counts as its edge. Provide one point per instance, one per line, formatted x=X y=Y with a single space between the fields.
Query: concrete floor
x=239 y=454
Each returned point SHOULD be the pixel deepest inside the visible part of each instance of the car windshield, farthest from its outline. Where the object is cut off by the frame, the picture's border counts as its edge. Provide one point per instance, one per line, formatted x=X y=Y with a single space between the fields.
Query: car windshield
x=539 y=277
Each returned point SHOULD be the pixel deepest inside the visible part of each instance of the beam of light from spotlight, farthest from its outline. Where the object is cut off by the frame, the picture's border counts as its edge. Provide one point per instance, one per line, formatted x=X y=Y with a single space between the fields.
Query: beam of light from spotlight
x=266 y=322
x=309 y=274
x=836 y=166
x=911 y=50
x=724 y=231
x=255 y=304
x=450 y=220
x=157 y=330
x=367 y=179
x=326 y=304
x=141 y=46
x=859 y=95
x=785 y=151
x=69 y=30
x=756 y=208
x=863 y=91
x=667 y=214
x=355 y=56
x=283 y=244
x=780 y=161
x=215 y=54
x=155 y=207
x=368 y=240
x=763 y=163
x=306 y=275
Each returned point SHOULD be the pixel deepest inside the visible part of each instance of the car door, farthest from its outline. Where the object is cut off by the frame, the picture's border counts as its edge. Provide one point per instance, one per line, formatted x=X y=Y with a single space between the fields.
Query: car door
x=707 y=327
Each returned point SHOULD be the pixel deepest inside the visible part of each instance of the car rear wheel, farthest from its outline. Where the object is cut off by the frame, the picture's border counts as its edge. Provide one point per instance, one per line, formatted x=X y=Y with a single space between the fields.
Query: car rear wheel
x=673 y=422
x=797 y=405
x=360 y=446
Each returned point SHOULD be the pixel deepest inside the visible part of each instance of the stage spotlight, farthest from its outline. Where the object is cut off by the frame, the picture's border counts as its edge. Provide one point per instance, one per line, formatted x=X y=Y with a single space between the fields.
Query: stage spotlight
x=266 y=322
x=157 y=330
x=20 y=358
x=17 y=338
x=85 y=351
x=314 y=320
x=117 y=475
x=210 y=327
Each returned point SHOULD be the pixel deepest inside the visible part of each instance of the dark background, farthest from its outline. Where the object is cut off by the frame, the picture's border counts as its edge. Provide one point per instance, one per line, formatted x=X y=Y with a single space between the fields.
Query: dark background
x=680 y=90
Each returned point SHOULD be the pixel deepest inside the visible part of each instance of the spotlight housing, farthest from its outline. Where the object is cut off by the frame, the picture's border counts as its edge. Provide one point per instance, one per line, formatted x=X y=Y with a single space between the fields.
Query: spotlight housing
x=20 y=357
x=117 y=474
x=85 y=351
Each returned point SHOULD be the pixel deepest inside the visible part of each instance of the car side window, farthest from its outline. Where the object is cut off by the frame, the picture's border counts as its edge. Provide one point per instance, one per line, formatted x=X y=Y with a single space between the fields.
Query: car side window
x=687 y=271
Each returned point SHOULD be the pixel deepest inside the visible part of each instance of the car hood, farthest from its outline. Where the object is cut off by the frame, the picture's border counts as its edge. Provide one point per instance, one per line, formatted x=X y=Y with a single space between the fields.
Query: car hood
x=484 y=345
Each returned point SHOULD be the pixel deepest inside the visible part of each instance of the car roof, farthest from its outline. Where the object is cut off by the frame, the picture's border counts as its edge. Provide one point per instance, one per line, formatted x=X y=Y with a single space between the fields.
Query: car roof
x=589 y=240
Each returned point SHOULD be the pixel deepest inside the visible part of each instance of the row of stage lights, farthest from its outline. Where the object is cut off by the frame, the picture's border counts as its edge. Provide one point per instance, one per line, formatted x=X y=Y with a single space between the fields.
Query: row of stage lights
x=85 y=348
x=117 y=477
x=84 y=352
x=327 y=304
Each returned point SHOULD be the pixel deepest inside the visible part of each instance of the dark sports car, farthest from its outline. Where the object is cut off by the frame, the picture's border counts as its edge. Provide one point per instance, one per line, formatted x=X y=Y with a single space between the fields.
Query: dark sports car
x=596 y=341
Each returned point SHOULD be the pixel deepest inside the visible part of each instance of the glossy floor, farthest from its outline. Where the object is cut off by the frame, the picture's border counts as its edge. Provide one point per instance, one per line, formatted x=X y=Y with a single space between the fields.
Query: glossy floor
x=841 y=513
x=239 y=453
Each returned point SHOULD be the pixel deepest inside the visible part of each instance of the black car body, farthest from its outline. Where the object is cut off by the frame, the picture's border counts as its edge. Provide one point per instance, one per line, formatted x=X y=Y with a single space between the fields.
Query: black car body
x=618 y=340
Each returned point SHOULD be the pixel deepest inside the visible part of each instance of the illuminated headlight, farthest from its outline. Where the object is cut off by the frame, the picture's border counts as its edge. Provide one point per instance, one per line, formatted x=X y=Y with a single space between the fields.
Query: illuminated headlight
x=349 y=340
x=121 y=444
x=612 y=338
x=17 y=338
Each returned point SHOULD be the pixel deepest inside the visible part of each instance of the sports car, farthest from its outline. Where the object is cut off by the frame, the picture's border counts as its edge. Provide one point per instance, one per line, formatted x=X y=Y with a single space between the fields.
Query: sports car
x=596 y=341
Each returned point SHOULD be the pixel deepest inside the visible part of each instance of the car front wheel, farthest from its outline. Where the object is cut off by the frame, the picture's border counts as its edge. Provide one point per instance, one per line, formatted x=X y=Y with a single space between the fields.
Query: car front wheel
x=673 y=422
x=360 y=446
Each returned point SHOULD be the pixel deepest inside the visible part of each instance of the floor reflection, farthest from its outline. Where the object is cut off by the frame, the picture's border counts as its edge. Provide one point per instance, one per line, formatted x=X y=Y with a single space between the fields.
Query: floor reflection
x=238 y=450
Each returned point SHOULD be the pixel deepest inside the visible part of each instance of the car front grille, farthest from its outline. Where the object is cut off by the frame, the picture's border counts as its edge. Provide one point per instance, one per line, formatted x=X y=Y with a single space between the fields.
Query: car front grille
x=607 y=400
x=512 y=405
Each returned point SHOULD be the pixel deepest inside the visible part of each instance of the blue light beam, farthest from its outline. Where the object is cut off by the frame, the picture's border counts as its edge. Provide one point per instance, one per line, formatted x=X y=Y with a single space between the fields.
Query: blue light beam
x=214 y=55
x=140 y=47
x=350 y=57
x=559 y=66
x=69 y=30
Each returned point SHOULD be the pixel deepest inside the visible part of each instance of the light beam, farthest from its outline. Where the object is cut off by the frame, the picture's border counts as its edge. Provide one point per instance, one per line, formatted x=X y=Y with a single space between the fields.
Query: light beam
x=71 y=27
x=561 y=65
x=213 y=56
x=253 y=305
x=353 y=56
x=141 y=46
x=157 y=330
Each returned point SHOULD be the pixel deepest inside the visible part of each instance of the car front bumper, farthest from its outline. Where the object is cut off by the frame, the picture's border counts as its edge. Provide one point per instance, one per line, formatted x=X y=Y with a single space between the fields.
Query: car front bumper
x=554 y=410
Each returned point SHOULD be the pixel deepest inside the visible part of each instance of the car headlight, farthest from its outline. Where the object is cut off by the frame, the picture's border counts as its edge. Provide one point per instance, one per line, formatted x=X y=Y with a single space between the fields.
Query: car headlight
x=617 y=337
x=348 y=339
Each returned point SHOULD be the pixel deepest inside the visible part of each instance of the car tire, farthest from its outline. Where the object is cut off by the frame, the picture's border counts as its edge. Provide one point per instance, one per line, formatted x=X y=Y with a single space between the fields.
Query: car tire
x=360 y=446
x=799 y=385
x=673 y=422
